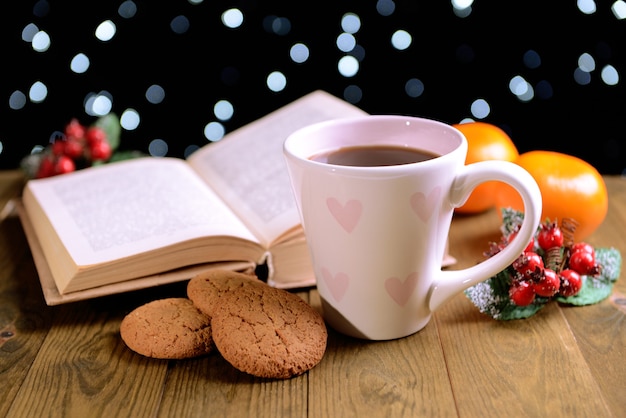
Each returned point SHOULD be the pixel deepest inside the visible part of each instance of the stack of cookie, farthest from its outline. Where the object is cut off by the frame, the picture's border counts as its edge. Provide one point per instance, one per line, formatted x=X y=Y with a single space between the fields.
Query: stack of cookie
x=260 y=330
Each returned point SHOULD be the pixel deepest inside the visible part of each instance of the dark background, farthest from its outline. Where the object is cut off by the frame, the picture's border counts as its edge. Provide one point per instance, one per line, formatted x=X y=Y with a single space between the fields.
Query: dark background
x=458 y=60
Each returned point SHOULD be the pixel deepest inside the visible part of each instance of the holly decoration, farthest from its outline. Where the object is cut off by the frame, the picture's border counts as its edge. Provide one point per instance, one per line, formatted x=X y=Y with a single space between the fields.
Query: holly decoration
x=551 y=267
x=77 y=146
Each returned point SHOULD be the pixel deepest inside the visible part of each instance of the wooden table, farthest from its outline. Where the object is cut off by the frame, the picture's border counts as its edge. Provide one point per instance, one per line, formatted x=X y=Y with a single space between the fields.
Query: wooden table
x=69 y=360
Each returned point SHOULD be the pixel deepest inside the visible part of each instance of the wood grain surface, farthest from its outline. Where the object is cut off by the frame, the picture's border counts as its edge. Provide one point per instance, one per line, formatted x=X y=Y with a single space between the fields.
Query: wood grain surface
x=69 y=360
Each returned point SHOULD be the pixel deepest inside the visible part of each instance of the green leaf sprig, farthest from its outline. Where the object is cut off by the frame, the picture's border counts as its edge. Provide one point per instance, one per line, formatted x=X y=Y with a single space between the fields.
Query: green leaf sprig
x=491 y=297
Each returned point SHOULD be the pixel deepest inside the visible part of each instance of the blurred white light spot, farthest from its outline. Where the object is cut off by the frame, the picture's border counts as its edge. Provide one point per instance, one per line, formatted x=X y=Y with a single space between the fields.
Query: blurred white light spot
x=582 y=77
x=528 y=94
x=299 y=53
x=105 y=31
x=518 y=85
x=127 y=9
x=462 y=8
x=17 y=100
x=232 y=18
x=348 y=66
x=521 y=88
x=29 y=31
x=350 y=23
x=462 y=13
x=158 y=148
x=98 y=104
x=480 y=109
x=195 y=1
x=279 y=25
x=401 y=39
x=385 y=7
x=346 y=42
x=214 y=131
x=276 y=81
x=462 y=4
x=80 y=63
x=41 y=41
x=414 y=87
x=130 y=119
x=619 y=9
x=37 y=149
x=586 y=62
x=155 y=94
x=38 y=92
x=180 y=24
x=586 y=6
x=609 y=75
x=223 y=110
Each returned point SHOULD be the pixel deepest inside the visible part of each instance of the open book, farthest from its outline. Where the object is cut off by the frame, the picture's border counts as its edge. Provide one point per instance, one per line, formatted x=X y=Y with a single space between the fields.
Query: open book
x=154 y=220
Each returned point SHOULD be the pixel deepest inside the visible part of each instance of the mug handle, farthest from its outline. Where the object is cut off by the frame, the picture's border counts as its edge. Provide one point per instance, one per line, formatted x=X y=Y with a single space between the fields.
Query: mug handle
x=451 y=282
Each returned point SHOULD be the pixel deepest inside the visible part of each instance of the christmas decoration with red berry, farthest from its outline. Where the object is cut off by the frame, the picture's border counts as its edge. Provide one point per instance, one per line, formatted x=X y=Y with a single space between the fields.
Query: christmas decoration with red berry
x=552 y=267
x=78 y=146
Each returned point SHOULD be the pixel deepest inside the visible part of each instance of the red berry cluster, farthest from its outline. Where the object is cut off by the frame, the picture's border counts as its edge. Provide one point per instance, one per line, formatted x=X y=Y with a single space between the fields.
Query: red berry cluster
x=554 y=268
x=78 y=146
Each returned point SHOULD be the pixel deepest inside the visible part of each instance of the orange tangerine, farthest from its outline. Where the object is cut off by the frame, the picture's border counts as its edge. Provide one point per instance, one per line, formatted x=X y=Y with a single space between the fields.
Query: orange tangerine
x=570 y=188
x=484 y=142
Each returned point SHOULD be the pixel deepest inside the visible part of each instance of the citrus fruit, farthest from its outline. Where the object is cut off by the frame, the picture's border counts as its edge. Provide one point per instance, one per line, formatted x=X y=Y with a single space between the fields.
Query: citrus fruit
x=570 y=188
x=485 y=141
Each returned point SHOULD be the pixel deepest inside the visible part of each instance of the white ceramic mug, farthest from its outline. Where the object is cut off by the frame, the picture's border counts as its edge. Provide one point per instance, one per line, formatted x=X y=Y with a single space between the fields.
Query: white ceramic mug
x=377 y=234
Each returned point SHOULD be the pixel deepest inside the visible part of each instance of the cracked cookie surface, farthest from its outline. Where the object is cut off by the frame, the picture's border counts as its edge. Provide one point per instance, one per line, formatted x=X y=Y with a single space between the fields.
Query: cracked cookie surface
x=268 y=332
x=171 y=328
x=205 y=288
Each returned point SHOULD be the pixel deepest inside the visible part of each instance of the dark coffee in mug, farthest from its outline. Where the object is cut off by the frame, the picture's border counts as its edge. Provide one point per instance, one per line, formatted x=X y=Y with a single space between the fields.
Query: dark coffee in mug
x=373 y=156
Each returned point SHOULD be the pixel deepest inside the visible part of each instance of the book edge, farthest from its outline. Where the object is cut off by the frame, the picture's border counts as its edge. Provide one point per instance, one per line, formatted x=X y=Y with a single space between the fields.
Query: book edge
x=53 y=297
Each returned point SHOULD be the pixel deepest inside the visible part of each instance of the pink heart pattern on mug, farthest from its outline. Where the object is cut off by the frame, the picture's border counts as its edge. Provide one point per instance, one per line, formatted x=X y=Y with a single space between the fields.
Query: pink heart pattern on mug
x=423 y=205
x=401 y=291
x=337 y=284
x=347 y=215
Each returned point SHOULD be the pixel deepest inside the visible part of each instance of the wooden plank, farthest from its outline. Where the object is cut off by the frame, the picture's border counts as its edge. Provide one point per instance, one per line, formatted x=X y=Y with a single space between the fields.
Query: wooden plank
x=600 y=330
x=24 y=317
x=210 y=386
x=400 y=378
x=11 y=184
x=83 y=368
x=600 y=334
x=69 y=360
x=530 y=367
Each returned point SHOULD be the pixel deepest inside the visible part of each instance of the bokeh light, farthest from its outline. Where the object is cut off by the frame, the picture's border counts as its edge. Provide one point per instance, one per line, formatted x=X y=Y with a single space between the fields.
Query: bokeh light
x=187 y=73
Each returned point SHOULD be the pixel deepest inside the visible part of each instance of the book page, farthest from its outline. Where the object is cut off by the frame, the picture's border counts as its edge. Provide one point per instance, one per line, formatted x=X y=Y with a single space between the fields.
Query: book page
x=125 y=208
x=247 y=167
